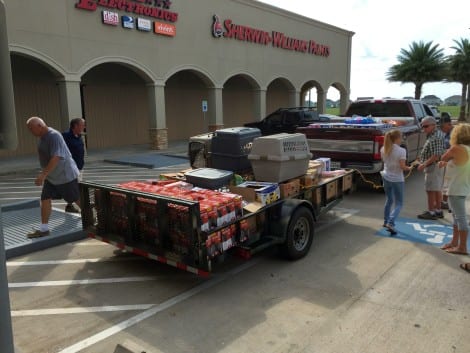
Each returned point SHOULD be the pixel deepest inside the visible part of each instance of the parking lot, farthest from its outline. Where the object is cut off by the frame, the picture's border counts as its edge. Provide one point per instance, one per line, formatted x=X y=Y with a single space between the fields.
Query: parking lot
x=356 y=291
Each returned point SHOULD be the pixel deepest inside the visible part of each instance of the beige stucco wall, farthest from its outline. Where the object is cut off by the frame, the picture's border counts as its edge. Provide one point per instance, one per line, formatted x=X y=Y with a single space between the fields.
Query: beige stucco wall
x=72 y=42
x=74 y=39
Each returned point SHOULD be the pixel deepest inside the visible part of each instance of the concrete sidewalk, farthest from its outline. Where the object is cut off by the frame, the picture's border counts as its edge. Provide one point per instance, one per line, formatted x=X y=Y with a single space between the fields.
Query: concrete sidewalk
x=18 y=165
x=19 y=218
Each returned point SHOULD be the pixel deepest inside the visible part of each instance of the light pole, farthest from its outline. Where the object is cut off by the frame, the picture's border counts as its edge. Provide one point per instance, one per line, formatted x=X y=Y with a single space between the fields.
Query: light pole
x=8 y=140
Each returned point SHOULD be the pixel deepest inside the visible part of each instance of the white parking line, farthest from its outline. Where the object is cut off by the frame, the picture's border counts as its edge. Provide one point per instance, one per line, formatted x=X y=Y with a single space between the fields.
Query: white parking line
x=340 y=214
x=81 y=310
x=82 y=282
x=150 y=309
x=66 y=262
x=155 y=309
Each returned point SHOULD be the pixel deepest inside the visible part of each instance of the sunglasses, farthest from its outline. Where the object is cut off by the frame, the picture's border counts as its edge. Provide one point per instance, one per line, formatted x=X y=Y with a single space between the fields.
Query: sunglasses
x=425 y=126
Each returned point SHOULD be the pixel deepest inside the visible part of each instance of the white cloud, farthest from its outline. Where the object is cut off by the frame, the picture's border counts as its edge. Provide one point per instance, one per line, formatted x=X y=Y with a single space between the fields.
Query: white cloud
x=382 y=29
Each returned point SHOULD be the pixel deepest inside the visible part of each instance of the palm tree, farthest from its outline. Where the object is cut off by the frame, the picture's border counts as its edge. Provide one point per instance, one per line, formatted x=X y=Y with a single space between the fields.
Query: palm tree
x=459 y=71
x=421 y=63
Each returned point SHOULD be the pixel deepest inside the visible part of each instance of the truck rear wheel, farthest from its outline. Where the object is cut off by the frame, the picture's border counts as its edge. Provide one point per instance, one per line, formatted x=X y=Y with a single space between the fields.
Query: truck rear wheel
x=299 y=234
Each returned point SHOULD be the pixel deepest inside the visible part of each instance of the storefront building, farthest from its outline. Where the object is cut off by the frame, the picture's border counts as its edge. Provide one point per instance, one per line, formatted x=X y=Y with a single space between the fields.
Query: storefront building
x=153 y=71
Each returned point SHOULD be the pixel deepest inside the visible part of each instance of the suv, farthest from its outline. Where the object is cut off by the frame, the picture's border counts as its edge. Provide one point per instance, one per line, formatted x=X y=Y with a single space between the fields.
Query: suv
x=286 y=120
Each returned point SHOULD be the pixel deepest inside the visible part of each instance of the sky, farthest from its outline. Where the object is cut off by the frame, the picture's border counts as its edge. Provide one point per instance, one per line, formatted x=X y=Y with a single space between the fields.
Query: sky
x=382 y=29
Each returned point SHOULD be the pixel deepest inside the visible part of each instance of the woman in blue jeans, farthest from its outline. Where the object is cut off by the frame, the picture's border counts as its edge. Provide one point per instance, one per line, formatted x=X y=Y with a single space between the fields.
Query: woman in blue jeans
x=394 y=158
x=457 y=163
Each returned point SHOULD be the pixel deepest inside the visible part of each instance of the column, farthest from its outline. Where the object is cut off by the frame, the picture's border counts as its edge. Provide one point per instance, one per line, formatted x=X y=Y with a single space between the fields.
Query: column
x=158 y=132
x=343 y=102
x=321 y=101
x=259 y=96
x=70 y=100
x=215 y=113
x=294 y=98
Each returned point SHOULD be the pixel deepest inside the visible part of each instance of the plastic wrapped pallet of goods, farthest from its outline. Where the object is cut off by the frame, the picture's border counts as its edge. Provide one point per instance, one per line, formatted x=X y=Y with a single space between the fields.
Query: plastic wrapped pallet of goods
x=314 y=166
x=280 y=157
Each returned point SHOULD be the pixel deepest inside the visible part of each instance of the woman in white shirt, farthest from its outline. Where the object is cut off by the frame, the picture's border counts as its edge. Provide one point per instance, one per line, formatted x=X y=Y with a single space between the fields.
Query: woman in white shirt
x=394 y=158
x=457 y=163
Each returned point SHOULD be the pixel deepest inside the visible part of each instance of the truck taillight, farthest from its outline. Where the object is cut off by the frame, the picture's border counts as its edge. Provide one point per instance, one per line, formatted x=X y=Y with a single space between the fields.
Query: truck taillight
x=378 y=143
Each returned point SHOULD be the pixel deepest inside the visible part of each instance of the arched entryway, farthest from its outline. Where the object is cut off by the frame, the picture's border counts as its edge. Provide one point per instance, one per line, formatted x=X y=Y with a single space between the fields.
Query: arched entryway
x=36 y=94
x=240 y=100
x=115 y=106
x=185 y=92
x=280 y=93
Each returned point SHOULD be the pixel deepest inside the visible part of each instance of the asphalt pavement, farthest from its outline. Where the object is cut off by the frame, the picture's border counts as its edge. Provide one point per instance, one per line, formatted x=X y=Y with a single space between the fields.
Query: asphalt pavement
x=356 y=291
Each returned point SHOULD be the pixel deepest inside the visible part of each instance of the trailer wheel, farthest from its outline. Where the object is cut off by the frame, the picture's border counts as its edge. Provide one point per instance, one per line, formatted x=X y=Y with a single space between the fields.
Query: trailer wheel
x=299 y=234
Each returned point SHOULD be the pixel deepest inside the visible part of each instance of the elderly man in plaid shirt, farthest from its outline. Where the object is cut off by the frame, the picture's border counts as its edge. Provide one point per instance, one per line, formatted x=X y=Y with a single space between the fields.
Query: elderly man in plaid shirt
x=433 y=175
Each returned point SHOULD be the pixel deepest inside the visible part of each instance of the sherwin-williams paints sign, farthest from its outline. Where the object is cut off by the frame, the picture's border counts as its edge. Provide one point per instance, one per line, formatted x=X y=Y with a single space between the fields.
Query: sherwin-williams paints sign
x=231 y=30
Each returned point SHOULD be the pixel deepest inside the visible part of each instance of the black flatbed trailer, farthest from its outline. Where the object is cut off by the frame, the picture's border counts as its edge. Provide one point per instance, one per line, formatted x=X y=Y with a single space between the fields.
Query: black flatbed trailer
x=169 y=229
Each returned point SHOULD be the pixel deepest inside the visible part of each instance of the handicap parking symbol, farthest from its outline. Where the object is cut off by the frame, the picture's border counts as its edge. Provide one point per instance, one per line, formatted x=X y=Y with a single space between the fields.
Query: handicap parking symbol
x=420 y=231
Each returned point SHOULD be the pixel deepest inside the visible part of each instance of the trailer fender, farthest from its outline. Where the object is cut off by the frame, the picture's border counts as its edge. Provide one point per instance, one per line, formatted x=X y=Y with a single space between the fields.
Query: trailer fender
x=297 y=226
x=280 y=226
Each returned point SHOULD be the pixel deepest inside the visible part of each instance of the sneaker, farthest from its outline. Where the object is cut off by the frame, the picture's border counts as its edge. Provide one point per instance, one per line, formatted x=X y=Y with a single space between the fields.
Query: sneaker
x=36 y=233
x=439 y=214
x=71 y=209
x=391 y=229
x=427 y=215
x=444 y=205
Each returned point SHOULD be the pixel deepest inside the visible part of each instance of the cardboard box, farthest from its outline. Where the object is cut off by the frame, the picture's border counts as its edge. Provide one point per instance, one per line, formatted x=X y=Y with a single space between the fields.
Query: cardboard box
x=290 y=188
x=254 y=191
x=326 y=162
x=317 y=197
x=309 y=180
x=347 y=182
x=331 y=190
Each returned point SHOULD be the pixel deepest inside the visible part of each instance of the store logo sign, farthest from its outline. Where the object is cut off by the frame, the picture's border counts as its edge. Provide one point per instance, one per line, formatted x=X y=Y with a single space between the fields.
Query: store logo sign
x=144 y=24
x=158 y=9
x=110 y=18
x=217 y=30
x=128 y=22
x=164 y=29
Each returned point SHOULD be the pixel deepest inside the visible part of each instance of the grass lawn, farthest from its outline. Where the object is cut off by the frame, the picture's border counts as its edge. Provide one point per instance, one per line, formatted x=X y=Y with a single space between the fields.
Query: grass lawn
x=453 y=110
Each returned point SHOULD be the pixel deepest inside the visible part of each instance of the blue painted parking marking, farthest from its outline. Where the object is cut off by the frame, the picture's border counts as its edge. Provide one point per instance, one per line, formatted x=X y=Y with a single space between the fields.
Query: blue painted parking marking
x=420 y=231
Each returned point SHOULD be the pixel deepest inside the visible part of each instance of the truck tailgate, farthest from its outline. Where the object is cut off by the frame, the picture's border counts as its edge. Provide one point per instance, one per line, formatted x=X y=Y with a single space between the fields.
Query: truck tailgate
x=343 y=143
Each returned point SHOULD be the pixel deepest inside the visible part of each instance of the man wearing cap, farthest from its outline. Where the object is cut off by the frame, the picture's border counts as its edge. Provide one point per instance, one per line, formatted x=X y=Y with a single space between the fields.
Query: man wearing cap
x=433 y=175
x=446 y=128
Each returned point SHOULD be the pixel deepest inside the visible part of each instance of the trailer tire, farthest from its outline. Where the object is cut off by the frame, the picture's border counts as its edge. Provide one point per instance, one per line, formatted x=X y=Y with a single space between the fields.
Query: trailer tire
x=299 y=234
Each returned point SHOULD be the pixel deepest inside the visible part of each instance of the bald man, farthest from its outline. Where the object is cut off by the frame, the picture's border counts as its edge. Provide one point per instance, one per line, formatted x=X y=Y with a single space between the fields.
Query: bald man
x=59 y=171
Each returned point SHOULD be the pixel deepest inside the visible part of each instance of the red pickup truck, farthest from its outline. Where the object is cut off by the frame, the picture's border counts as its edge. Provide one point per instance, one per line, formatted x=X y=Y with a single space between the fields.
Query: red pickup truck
x=355 y=143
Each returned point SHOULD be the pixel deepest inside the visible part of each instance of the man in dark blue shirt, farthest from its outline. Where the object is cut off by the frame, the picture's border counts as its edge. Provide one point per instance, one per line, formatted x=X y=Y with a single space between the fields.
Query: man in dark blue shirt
x=74 y=141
